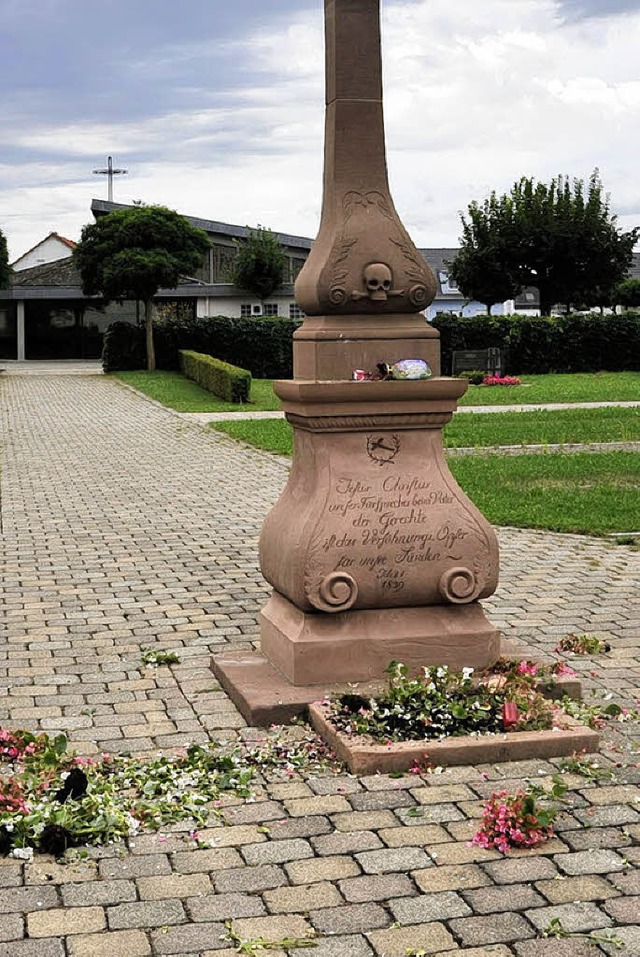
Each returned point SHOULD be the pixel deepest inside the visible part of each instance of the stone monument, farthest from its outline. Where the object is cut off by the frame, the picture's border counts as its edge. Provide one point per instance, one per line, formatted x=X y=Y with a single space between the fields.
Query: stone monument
x=373 y=550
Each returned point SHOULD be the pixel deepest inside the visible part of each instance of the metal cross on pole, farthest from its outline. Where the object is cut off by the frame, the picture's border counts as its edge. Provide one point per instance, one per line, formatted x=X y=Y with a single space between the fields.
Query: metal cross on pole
x=110 y=172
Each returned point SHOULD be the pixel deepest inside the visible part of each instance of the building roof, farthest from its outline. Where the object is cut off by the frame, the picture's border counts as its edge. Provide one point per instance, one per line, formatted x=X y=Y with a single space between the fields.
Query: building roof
x=100 y=207
x=69 y=243
x=61 y=272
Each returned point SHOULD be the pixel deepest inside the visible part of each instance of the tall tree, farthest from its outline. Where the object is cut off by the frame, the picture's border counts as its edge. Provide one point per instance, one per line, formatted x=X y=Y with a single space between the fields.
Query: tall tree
x=260 y=264
x=561 y=238
x=5 y=269
x=131 y=253
x=478 y=269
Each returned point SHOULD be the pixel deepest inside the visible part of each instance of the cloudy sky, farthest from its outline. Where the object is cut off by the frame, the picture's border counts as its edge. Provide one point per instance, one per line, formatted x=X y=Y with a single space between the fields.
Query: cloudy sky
x=216 y=107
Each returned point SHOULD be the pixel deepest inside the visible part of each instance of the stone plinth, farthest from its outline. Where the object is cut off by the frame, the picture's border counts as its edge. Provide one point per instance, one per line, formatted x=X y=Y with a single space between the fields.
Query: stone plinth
x=373 y=550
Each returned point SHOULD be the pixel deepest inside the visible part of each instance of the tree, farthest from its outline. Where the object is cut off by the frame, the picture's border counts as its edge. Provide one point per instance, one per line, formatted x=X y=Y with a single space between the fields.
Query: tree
x=478 y=269
x=5 y=269
x=627 y=293
x=560 y=238
x=260 y=264
x=131 y=253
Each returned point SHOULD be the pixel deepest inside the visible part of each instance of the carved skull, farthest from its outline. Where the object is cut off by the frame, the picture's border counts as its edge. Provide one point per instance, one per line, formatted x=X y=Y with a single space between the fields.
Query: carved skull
x=378 y=279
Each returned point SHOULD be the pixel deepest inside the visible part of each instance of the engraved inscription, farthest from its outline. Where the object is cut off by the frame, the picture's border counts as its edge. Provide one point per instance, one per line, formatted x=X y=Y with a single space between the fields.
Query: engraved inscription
x=393 y=533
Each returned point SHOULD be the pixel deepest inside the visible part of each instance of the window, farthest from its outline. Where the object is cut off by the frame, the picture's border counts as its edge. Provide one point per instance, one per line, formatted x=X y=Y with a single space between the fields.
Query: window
x=447 y=286
x=270 y=309
x=245 y=310
x=295 y=312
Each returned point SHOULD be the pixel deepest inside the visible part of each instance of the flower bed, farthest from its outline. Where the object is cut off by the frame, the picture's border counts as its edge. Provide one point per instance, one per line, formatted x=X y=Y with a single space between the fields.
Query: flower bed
x=453 y=718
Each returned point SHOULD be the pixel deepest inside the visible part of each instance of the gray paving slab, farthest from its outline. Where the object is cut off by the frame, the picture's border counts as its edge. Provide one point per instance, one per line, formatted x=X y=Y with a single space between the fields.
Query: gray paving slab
x=126 y=526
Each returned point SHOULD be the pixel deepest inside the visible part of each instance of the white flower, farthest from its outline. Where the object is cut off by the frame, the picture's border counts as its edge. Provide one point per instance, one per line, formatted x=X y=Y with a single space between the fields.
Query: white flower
x=22 y=853
x=466 y=673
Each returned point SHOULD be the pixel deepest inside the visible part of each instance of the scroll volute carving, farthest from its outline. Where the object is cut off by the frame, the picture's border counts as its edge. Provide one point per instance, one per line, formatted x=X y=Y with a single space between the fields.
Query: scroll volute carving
x=365 y=263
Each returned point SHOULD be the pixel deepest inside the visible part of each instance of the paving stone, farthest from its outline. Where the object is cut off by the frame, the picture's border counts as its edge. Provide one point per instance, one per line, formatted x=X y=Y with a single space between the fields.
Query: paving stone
x=66 y=920
x=587 y=887
x=173 y=885
x=20 y=899
x=414 y=836
x=220 y=907
x=576 y=916
x=521 y=870
x=461 y=853
x=350 y=946
x=322 y=869
x=132 y=867
x=277 y=852
x=189 y=939
x=375 y=800
x=123 y=943
x=273 y=927
x=364 y=820
x=145 y=914
x=376 y=888
x=398 y=941
x=214 y=859
x=302 y=897
x=299 y=827
x=428 y=907
x=494 y=950
x=555 y=948
x=627 y=881
x=496 y=929
x=346 y=842
x=489 y=900
x=249 y=879
x=590 y=862
x=443 y=794
x=52 y=947
x=624 y=910
x=594 y=838
x=321 y=804
x=392 y=859
x=349 y=919
x=11 y=927
x=450 y=878
x=630 y=937
x=255 y=813
x=10 y=873
x=98 y=892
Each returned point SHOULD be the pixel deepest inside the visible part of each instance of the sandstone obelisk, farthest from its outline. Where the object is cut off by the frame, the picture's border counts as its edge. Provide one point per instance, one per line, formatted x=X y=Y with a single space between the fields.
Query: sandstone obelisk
x=373 y=550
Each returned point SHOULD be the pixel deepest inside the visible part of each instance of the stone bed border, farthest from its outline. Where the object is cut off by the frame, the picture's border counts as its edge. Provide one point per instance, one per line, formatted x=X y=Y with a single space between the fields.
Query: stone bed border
x=363 y=757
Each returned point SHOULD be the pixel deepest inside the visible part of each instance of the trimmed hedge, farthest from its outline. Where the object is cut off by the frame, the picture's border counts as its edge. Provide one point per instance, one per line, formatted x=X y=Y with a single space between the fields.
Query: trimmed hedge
x=578 y=342
x=224 y=380
x=263 y=346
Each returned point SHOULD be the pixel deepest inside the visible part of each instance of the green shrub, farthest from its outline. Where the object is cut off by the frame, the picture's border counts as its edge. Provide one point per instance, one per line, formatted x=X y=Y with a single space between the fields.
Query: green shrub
x=264 y=346
x=123 y=347
x=224 y=380
x=578 y=342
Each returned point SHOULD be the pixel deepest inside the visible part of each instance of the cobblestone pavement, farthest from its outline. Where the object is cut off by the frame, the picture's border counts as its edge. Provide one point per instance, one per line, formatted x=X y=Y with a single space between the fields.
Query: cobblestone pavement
x=125 y=527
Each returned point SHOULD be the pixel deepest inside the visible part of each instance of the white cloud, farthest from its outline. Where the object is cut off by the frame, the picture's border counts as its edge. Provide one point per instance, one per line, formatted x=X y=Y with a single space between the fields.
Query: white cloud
x=476 y=96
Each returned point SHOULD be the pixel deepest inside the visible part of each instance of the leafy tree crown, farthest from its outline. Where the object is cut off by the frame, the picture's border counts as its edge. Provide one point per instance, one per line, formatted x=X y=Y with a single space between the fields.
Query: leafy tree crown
x=131 y=253
x=260 y=264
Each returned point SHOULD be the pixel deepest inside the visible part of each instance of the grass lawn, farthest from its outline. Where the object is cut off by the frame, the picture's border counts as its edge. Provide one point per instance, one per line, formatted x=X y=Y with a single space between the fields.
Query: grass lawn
x=480 y=429
x=543 y=428
x=177 y=392
x=577 y=387
x=590 y=494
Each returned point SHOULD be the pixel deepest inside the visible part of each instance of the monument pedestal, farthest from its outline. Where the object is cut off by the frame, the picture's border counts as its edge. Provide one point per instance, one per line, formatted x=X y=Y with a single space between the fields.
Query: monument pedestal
x=374 y=551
